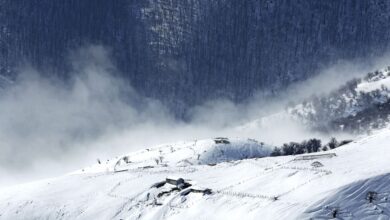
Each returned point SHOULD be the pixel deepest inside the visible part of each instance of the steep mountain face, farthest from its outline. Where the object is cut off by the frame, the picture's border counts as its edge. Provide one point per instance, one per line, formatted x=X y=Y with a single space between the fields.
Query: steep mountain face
x=359 y=106
x=183 y=52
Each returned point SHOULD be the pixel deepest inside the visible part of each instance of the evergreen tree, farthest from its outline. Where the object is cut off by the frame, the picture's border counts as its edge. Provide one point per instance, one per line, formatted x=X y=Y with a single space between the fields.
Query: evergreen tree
x=313 y=145
x=298 y=148
x=276 y=152
x=288 y=149
x=333 y=143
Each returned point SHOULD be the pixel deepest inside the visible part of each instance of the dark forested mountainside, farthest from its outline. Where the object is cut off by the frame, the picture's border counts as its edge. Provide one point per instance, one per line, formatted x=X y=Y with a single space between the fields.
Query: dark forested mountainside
x=185 y=51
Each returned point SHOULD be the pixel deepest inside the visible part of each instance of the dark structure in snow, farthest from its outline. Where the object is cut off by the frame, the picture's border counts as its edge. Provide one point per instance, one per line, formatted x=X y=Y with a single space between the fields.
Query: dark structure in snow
x=316 y=164
x=316 y=156
x=371 y=196
x=205 y=191
x=221 y=140
x=179 y=184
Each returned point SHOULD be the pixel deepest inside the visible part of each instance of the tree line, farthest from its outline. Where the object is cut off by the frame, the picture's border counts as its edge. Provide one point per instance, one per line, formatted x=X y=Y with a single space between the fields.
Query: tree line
x=307 y=146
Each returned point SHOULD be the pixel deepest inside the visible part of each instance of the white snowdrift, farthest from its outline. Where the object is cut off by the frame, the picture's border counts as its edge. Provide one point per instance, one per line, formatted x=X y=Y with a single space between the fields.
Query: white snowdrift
x=288 y=187
x=352 y=201
x=187 y=153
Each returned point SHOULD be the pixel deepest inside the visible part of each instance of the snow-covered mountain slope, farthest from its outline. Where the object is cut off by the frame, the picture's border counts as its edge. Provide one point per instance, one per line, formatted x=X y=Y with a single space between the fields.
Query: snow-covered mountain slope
x=313 y=186
x=183 y=154
x=361 y=104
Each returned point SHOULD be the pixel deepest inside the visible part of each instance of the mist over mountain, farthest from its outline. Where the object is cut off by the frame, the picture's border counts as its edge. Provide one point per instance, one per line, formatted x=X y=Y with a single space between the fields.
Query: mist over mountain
x=184 y=52
x=359 y=106
x=194 y=109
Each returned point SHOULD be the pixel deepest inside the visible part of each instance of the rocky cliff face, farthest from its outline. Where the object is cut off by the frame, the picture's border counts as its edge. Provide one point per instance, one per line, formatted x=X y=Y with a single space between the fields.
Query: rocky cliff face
x=185 y=51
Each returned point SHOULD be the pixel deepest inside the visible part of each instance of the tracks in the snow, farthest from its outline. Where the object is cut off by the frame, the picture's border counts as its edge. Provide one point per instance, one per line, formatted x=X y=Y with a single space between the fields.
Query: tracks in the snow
x=267 y=170
x=228 y=190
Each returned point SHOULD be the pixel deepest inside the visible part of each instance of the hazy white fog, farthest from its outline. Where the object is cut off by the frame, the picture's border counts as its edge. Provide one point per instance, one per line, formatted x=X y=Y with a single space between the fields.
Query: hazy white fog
x=48 y=128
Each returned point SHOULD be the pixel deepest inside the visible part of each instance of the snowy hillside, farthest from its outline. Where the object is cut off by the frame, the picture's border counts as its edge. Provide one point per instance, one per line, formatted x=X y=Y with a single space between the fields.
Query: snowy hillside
x=360 y=105
x=350 y=182
x=183 y=154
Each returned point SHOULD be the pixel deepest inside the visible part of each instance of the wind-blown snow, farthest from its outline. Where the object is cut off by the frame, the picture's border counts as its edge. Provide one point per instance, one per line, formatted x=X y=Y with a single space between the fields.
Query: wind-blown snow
x=288 y=187
x=186 y=153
